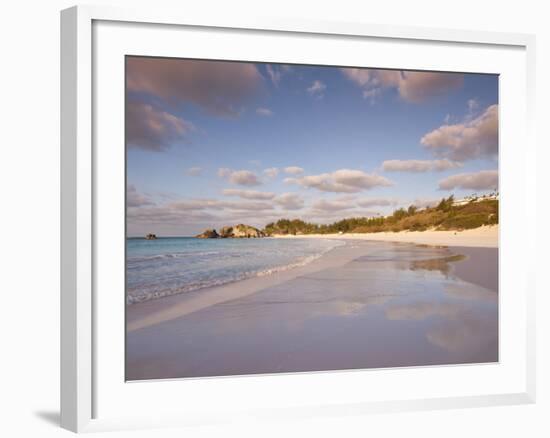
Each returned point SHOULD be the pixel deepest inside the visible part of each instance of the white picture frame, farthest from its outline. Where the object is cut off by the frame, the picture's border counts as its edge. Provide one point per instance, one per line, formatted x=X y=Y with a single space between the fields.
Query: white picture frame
x=80 y=167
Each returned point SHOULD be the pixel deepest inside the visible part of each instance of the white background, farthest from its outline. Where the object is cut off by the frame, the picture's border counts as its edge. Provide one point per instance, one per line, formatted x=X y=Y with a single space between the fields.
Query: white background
x=200 y=397
x=29 y=218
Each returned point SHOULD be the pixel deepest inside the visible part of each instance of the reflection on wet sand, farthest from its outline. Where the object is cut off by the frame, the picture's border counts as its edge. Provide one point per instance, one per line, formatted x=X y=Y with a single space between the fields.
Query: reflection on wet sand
x=392 y=305
x=463 y=324
x=439 y=264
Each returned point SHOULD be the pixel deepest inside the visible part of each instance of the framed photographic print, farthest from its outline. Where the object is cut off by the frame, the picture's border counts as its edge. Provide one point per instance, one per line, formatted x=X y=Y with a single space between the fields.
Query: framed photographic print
x=289 y=218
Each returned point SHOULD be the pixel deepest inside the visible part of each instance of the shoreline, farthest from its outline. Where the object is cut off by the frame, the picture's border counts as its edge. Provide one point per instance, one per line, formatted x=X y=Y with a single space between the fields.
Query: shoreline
x=152 y=312
x=148 y=313
x=349 y=288
x=482 y=237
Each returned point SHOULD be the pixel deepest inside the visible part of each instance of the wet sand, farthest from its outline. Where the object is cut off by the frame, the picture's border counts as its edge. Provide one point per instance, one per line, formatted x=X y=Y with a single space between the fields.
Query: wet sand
x=363 y=305
x=480 y=266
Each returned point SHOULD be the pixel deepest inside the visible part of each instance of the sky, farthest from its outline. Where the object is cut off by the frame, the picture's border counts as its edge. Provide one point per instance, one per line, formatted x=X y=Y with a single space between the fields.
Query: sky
x=214 y=143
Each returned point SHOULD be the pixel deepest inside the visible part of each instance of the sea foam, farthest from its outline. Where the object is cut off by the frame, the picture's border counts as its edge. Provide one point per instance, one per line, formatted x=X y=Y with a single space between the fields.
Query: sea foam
x=170 y=266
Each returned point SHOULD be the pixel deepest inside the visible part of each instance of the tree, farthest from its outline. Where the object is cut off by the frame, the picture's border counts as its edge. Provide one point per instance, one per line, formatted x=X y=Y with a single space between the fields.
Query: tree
x=399 y=214
x=446 y=204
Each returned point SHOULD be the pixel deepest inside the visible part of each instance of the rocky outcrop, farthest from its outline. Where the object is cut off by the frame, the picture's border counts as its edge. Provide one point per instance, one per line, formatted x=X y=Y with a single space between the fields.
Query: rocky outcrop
x=151 y=236
x=226 y=232
x=242 y=230
x=237 y=231
x=208 y=234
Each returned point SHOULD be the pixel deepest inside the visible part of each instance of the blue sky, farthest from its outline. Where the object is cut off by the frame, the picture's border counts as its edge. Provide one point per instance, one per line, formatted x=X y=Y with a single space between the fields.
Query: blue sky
x=216 y=143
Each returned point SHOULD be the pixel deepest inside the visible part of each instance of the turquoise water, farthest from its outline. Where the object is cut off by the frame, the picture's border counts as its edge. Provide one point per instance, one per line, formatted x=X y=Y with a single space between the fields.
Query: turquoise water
x=168 y=266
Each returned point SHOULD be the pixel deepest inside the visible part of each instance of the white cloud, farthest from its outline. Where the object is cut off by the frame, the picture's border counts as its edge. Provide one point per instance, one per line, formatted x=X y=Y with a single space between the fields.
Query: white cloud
x=215 y=204
x=476 y=138
x=379 y=202
x=412 y=86
x=244 y=178
x=482 y=180
x=425 y=202
x=341 y=181
x=264 y=112
x=332 y=205
x=220 y=88
x=153 y=129
x=362 y=76
x=191 y=216
x=419 y=165
x=290 y=201
x=417 y=86
x=276 y=72
x=239 y=177
x=473 y=105
x=136 y=199
x=293 y=170
x=273 y=74
x=249 y=194
x=159 y=218
x=317 y=88
x=194 y=171
x=224 y=172
x=271 y=172
x=171 y=222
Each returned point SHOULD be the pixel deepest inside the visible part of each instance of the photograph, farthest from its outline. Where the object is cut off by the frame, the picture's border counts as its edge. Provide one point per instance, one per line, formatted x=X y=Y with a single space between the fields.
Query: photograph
x=289 y=218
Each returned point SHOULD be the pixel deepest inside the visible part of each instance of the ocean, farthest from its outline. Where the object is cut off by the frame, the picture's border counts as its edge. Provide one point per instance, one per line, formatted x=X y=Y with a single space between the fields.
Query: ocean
x=169 y=266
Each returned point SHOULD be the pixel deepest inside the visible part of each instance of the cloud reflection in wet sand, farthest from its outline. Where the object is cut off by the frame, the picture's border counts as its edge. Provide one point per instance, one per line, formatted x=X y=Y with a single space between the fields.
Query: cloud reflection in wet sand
x=465 y=318
x=400 y=305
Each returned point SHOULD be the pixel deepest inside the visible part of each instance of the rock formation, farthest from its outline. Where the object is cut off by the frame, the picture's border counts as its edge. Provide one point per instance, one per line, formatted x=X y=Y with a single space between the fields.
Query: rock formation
x=242 y=230
x=226 y=232
x=237 y=231
x=208 y=234
x=151 y=236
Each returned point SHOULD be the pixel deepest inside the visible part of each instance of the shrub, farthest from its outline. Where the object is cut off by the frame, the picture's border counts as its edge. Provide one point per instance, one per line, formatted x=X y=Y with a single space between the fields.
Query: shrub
x=445 y=217
x=446 y=204
x=399 y=214
x=464 y=221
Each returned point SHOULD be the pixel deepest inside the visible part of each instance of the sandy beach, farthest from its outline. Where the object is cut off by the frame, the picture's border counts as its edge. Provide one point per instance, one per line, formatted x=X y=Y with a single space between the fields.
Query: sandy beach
x=221 y=275
x=483 y=237
x=368 y=303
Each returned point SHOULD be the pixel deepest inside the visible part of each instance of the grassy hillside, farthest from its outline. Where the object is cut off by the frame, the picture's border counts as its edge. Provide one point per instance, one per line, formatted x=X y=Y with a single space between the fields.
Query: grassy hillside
x=445 y=216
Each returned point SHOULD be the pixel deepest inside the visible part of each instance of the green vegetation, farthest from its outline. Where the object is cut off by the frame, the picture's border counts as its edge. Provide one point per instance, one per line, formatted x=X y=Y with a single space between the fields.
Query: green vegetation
x=445 y=216
x=472 y=215
x=446 y=204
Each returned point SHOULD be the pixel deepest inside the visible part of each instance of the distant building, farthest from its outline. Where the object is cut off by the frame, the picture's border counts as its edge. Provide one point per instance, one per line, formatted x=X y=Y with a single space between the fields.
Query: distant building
x=475 y=198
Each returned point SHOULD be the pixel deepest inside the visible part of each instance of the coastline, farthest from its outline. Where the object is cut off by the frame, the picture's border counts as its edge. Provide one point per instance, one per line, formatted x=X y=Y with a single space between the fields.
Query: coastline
x=482 y=237
x=276 y=323
x=149 y=313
